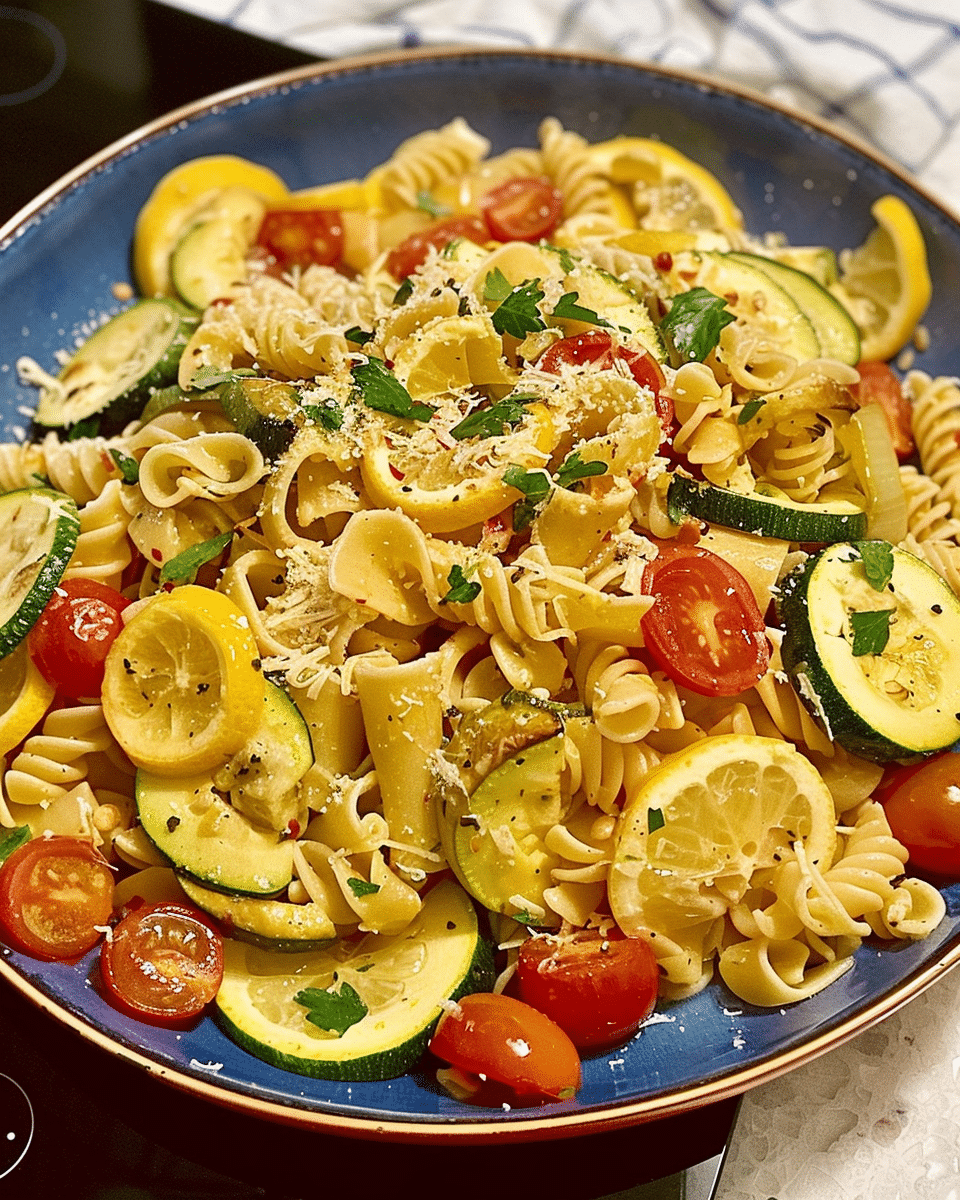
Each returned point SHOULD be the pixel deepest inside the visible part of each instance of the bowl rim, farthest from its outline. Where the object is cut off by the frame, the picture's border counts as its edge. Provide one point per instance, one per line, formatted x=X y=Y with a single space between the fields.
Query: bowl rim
x=541 y=1125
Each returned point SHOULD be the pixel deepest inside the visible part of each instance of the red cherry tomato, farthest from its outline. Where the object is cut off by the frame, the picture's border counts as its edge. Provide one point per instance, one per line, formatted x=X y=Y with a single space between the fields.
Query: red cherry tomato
x=522 y=210
x=879 y=385
x=597 y=347
x=163 y=964
x=597 y=987
x=54 y=893
x=922 y=804
x=511 y=1043
x=69 y=642
x=302 y=237
x=412 y=252
x=705 y=628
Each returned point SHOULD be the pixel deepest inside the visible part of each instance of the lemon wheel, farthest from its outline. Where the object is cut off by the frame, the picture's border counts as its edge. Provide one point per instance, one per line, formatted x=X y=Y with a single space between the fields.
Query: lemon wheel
x=885 y=283
x=670 y=191
x=705 y=820
x=182 y=688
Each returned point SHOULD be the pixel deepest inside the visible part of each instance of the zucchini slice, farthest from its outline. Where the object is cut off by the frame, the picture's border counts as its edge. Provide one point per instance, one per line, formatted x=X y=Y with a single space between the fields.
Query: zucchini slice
x=886 y=699
x=38 y=535
x=209 y=260
x=114 y=372
x=209 y=840
x=766 y=516
x=267 y=411
x=836 y=331
x=400 y=984
x=271 y=924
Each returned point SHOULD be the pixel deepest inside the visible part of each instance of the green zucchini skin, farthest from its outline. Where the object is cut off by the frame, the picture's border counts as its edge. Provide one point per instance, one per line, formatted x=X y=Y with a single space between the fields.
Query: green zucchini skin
x=39 y=528
x=764 y=516
x=114 y=372
x=844 y=693
x=388 y=1061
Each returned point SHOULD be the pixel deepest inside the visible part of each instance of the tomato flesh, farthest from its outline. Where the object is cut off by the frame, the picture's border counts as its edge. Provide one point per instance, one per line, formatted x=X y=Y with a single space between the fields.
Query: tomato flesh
x=70 y=641
x=923 y=808
x=705 y=628
x=598 y=348
x=56 y=897
x=505 y=1040
x=412 y=252
x=879 y=385
x=163 y=964
x=597 y=987
x=302 y=237
x=522 y=209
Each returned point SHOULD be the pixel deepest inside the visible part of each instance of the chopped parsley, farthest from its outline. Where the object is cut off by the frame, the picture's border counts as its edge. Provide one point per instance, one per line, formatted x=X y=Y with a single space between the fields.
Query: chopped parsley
x=493 y=420
x=462 y=590
x=360 y=887
x=750 y=410
x=516 y=313
x=573 y=469
x=358 y=336
x=329 y=414
x=427 y=204
x=694 y=322
x=569 y=309
x=333 y=1011
x=871 y=631
x=128 y=466
x=380 y=389
x=655 y=820
x=877 y=559
x=183 y=567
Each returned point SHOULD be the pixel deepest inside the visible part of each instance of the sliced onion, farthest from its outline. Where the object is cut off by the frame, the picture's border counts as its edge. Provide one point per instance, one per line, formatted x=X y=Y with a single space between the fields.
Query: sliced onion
x=875 y=462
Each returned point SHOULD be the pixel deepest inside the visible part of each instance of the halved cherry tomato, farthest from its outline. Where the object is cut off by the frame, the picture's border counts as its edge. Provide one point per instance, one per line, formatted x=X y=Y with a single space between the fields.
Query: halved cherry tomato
x=412 y=252
x=56 y=897
x=704 y=628
x=511 y=1043
x=597 y=347
x=922 y=804
x=879 y=385
x=163 y=964
x=597 y=987
x=302 y=237
x=522 y=210
x=69 y=642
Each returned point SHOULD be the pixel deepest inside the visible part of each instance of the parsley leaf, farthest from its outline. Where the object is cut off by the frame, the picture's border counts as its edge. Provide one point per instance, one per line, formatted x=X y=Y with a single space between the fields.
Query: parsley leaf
x=694 y=322
x=403 y=292
x=567 y=308
x=87 y=428
x=573 y=469
x=333 y=1011
x=535 y=486
x=183 y=567
x=358 y=336
x=871 y=631
x=655 y=820
x=360 y=887
x=516 y=312
x=329 y=414
x=750 y=410
x=427 y=204
x=493 y=420
x=380 y=389
x=13 y=839
x=462 y=590
x=128 y=466
x=877 y=559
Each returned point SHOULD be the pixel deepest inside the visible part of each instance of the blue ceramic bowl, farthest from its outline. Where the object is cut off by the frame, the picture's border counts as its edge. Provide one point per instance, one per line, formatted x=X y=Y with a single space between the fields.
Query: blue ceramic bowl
x=59 y=260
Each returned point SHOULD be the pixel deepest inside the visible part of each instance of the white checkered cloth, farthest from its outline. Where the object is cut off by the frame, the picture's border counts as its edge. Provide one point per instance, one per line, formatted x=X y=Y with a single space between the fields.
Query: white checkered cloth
x=887 y=70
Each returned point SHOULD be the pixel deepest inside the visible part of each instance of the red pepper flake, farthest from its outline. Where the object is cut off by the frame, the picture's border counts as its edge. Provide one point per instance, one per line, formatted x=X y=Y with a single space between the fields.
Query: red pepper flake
x=156 y=555
x=663 y=261
x=395 y=473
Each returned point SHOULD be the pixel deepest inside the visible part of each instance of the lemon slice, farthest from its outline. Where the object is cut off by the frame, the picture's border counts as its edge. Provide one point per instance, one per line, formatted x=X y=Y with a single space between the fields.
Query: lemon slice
x=177 y=197
x=885 y=283
x=24 y=697
x=692 y=836
x=444 y=491
x=670 y=191
x=182 y=690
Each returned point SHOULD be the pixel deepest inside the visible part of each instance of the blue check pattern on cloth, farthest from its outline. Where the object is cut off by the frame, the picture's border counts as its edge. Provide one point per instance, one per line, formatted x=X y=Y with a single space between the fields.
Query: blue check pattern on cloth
x=888 y=72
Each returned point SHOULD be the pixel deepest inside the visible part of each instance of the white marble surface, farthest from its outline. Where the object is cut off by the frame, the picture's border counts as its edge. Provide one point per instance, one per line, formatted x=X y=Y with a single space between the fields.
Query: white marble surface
x=877 y=1118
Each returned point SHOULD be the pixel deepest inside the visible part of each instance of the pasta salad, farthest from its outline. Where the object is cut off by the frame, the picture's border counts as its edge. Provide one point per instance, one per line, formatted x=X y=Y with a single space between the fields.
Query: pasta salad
x=469 y=605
